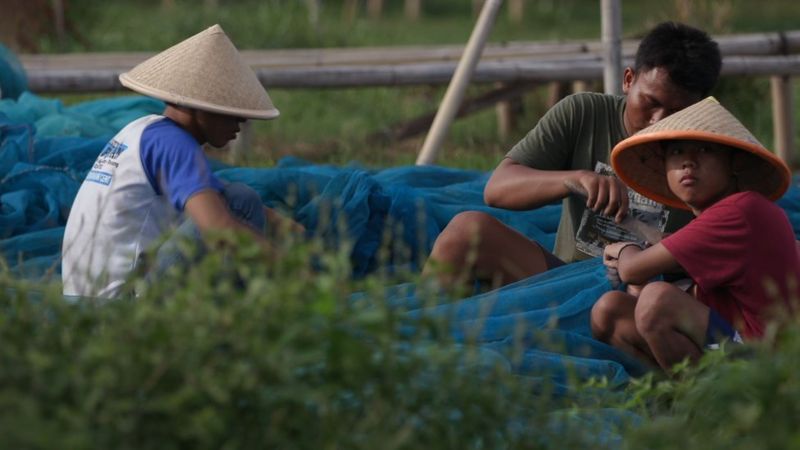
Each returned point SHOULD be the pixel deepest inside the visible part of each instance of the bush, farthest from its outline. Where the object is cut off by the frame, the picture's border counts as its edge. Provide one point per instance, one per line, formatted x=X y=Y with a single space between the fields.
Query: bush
x=221 y=356
x=745 y=397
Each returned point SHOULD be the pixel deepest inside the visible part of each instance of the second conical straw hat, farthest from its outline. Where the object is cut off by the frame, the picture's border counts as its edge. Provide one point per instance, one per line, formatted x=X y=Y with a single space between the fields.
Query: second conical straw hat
x=639 y=159
x=205 y=72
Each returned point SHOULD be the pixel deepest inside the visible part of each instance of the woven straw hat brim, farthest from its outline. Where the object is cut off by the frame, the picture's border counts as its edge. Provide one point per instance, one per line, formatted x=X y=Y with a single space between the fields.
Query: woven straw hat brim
x=639 y=163
x=204 y=72
x=180 y=100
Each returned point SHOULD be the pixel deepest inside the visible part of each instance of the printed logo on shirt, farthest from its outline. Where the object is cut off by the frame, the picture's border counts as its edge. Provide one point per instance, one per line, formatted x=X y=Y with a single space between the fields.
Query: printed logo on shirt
x=112 y=150
x=95 y=176
x=103 y=170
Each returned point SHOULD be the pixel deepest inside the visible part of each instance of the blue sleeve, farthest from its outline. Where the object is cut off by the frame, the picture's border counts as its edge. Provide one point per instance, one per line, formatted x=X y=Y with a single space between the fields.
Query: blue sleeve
x=175 y=164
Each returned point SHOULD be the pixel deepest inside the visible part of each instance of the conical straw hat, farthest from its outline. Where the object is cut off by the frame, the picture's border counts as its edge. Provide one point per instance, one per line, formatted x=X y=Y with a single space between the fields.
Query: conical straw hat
x=205 y=72
x=639 y=159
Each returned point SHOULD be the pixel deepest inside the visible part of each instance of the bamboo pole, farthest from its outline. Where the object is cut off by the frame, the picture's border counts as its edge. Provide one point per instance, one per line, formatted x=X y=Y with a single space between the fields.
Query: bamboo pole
x=744 y=45
x=350 y=10
x=455 y=91
x=44 y=79
x=313 y=7
x=516 y=11
x=412 y=9
x=612 y=41
x=60 y=22
x=782 y=117
x=374 y=9
x=477 y=6
x=506 y=111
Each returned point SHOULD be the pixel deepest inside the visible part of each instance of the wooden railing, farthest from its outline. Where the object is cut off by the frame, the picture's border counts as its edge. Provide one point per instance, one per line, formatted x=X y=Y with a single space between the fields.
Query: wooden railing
x=775 y=54
x=753 y=54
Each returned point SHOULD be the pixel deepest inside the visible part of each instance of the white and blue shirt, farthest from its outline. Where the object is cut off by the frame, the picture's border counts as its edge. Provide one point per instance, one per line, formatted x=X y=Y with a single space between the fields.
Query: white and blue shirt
x=134 y=193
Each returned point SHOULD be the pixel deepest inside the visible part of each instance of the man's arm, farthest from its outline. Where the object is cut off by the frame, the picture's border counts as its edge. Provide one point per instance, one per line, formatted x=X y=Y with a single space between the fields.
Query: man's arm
x=518 y=187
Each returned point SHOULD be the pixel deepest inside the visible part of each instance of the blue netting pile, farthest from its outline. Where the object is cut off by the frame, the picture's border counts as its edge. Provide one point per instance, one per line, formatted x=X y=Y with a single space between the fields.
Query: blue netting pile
x=46 y=150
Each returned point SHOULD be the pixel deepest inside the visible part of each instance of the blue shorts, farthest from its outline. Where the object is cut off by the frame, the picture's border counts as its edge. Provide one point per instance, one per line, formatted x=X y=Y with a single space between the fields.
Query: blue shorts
x=719 y=330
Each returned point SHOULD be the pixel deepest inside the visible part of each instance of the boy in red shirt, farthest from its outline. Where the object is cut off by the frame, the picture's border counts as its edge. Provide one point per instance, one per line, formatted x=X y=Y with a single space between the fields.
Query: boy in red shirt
x=739 y=250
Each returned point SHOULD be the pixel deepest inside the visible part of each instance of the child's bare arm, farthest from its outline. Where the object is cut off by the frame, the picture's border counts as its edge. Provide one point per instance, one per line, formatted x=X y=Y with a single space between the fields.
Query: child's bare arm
x=277 y=221
x=209 y=212
x=636 y=265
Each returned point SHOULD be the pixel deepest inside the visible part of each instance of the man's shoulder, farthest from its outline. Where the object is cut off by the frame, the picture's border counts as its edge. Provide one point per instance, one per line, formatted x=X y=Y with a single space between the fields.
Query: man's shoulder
x=593 y=101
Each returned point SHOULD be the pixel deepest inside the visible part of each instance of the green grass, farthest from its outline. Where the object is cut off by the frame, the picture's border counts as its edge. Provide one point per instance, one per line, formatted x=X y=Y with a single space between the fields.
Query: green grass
x=330 y=126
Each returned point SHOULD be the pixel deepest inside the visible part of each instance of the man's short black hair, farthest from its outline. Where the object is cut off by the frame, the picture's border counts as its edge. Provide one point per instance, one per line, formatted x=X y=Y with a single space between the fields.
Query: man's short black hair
x=689 y=55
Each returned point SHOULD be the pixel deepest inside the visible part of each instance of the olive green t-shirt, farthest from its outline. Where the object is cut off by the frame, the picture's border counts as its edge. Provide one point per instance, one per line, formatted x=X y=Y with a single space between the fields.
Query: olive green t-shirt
x=576 y=134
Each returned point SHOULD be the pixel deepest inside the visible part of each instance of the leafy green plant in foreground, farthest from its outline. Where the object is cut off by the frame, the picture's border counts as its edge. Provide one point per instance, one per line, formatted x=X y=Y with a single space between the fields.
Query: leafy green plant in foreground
x=223 y=356
x=235 y=353
x=744 y=397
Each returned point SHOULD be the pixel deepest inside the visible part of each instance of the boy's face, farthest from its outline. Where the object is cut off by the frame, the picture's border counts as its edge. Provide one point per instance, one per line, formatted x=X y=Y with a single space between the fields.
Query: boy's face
x=216 y=129
x=699 y=173
x=652 y=96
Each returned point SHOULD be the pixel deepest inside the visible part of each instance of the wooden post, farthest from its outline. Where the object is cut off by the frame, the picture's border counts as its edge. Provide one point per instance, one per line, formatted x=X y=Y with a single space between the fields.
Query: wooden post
x=556 y=90
x=506 y=114
x=58 y=15
x=412 y=9
x=350 y=10
x=313 y=13
x=782 y=117
x=477 y=6
x=612 y=44
x=374 y=8
x=455 y=91
x=580 y=86
x=516 y=11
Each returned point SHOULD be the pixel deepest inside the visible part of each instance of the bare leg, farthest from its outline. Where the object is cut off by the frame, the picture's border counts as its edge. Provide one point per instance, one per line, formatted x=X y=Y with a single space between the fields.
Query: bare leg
x=476 y=246
x=613 y=322
x=672 y=322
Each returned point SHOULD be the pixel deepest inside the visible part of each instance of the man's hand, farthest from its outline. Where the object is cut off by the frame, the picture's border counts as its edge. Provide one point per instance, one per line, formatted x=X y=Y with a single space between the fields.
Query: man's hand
x=605 y=195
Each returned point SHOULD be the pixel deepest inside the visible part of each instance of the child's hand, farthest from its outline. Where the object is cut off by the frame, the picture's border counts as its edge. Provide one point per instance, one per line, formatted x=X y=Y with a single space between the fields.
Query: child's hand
x=611 y=254
x=611 y=261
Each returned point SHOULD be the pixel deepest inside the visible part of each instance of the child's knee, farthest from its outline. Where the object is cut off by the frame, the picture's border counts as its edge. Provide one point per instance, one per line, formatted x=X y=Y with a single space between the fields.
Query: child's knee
x=605 y=313
x=653 y=309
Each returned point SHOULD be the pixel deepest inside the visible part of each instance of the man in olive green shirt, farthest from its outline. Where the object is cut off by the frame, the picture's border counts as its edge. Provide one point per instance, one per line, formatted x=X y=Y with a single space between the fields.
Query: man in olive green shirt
x=676 y=66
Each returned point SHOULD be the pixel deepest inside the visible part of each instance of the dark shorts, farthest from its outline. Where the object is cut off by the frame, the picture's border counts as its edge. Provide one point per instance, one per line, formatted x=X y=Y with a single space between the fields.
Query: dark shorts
x=550 y=259
x=719 y=330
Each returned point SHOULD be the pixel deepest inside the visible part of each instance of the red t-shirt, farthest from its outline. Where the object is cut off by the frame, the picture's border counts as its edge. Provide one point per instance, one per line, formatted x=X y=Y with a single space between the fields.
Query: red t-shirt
x=730 y=250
